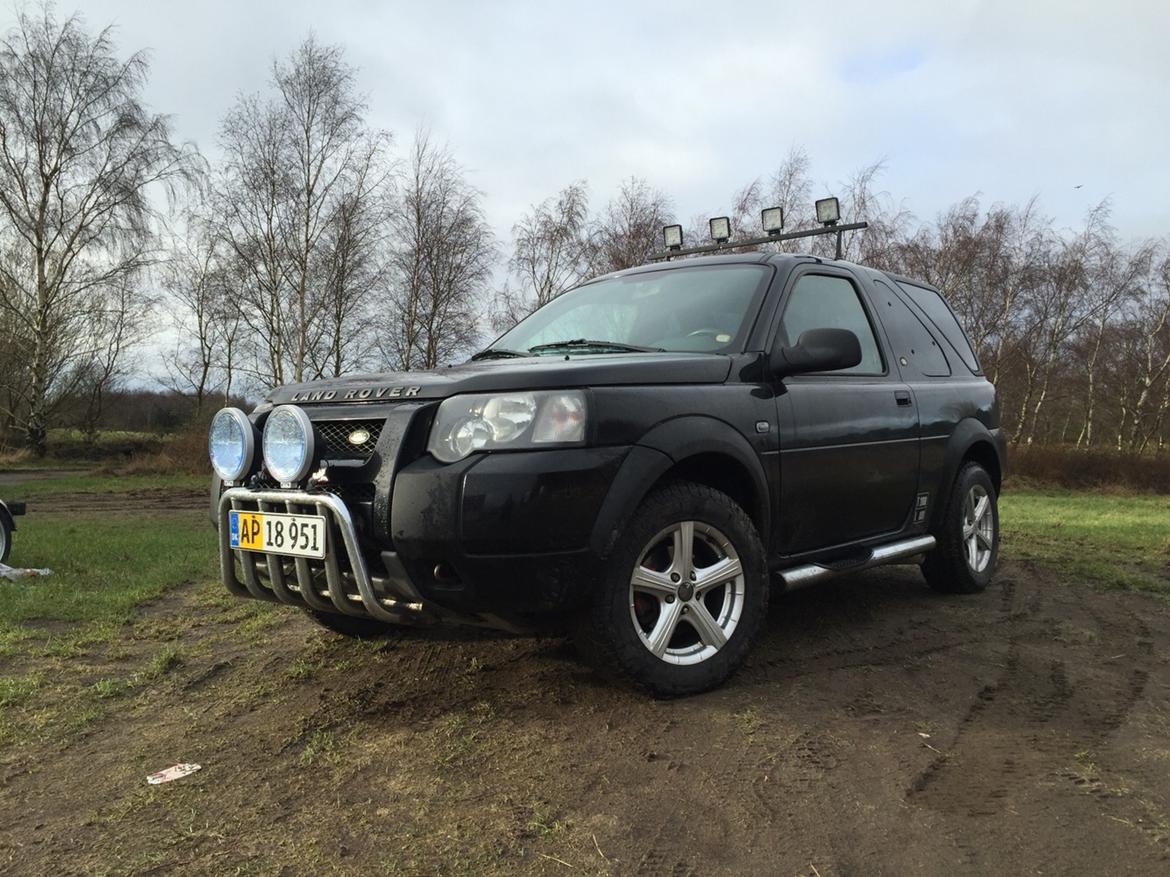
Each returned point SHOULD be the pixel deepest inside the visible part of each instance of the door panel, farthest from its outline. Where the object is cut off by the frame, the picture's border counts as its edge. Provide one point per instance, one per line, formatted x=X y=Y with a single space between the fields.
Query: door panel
x=848 y=461
x=849 y=451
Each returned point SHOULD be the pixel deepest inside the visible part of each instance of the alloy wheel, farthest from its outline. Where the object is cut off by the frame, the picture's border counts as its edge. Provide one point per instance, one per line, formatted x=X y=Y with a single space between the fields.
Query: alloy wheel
x=978 y=528
x=687 y=593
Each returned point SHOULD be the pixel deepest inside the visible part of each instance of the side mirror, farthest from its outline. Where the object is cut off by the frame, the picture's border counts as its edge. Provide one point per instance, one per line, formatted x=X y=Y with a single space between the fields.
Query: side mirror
x=818 y=350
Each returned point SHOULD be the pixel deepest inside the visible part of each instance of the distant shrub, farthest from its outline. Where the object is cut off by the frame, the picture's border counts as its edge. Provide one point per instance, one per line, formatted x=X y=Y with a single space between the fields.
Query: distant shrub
x=181 y=453
x=1097 y=469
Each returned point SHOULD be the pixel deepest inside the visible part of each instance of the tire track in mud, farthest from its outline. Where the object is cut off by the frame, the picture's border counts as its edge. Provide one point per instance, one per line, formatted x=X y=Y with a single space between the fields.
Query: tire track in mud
x=925 y=630
x=661 y=861
x=775 y=782
x=142 y=501
x=1025 y=727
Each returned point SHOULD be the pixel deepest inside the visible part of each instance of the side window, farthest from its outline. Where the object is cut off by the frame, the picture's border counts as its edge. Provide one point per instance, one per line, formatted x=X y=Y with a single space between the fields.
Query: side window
x=939 y=313
x=914 y=346
x=819 y=301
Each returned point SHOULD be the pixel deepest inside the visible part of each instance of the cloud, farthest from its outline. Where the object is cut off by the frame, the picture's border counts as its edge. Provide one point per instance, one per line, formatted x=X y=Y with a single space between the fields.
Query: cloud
x=1004 y=98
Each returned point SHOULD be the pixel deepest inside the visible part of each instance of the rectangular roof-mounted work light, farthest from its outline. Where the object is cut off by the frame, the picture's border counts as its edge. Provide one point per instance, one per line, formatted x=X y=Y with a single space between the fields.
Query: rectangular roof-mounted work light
x=772 y=219
x=828 y=211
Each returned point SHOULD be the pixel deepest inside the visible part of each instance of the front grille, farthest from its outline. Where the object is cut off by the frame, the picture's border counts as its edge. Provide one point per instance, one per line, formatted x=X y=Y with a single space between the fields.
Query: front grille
x=335 y=438
x=351 y=493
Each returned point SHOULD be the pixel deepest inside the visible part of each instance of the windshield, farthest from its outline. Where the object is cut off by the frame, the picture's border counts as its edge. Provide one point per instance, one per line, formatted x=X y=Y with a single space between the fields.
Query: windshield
x=705 y=309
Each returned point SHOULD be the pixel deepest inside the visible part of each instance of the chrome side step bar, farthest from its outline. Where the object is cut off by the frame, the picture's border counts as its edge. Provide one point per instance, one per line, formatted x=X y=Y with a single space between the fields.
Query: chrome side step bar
x=799 y=576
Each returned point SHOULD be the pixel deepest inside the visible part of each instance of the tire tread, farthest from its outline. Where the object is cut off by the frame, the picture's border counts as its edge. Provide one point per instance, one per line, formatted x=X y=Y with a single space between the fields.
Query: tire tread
x=945 y=568
x=625 y=657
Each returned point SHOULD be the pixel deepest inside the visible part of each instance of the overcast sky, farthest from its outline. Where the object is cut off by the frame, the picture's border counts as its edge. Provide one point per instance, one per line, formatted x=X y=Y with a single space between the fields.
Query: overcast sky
x=1009 y=99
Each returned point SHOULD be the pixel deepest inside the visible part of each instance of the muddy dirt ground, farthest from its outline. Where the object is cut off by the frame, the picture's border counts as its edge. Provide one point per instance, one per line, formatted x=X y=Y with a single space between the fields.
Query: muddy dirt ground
x=878 y=728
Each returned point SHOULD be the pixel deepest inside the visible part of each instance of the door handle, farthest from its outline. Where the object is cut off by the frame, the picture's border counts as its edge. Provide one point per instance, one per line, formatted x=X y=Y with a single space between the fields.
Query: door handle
x=902 y=397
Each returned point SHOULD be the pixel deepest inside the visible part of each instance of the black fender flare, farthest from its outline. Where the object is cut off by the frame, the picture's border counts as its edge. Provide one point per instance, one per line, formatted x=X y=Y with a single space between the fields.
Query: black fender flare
x=967 y=435
x=662 y=448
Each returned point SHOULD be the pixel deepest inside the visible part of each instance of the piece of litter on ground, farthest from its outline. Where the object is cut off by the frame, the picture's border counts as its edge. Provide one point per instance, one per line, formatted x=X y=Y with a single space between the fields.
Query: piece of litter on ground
x=11 y=572
x=174 y=772
x=923 y=735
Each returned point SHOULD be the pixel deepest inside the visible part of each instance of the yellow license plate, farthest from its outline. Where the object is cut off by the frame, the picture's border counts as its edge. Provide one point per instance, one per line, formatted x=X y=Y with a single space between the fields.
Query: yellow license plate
x=272 y=533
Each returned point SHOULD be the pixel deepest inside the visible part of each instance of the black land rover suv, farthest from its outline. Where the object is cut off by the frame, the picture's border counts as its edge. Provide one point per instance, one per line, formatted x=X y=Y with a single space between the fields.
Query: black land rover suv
x=644 y=460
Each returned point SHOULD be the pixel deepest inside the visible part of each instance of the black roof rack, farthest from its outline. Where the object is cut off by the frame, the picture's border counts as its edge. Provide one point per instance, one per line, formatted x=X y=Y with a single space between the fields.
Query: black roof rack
x=667 y=255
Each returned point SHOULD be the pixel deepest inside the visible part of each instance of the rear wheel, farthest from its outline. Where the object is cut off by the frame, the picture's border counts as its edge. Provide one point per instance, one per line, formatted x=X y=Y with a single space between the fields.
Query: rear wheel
x=964 y=560
x=684 y=594
x=5 y=539
x=350 y=625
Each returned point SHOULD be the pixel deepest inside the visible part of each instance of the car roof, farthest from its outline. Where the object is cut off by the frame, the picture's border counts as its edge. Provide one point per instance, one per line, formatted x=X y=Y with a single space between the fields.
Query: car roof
x=751 y=258
x=755 y=258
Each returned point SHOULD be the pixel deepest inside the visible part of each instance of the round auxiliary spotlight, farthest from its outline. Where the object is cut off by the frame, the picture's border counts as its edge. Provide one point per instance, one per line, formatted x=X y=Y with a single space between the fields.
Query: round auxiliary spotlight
x=289 y=445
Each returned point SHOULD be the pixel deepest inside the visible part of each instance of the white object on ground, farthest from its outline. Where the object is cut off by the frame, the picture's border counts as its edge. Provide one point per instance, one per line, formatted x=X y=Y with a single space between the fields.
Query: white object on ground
x=10 y=572
x=174 y=772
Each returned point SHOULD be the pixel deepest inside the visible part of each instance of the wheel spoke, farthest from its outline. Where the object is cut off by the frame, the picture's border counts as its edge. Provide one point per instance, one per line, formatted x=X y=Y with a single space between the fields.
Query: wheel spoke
x=705 y=626
x=653 y=582
x=684 y=549
x=981 y=508
x=659 y=638
x=973 y=553
x=717 y=573
x=984 y=538
x=679 y=592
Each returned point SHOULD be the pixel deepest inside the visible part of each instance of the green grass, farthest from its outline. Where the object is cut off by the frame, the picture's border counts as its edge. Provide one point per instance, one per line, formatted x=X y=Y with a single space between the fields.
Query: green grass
x=103 y=567
x=1109 y=540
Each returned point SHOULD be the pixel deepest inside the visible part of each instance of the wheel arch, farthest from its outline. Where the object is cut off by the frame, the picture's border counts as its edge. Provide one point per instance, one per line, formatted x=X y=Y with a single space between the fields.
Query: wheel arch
x=983 y=452
x=696 y=448
x=971 y=441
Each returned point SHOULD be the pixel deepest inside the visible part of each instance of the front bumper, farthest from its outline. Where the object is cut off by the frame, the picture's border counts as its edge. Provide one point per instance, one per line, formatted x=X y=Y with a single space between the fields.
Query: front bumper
x=499 y=540
x=342 y=582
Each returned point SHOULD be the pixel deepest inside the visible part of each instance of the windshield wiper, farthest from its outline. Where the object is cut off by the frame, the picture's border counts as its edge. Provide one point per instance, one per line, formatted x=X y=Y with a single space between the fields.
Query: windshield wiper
x=498 y=353
x=585 y=343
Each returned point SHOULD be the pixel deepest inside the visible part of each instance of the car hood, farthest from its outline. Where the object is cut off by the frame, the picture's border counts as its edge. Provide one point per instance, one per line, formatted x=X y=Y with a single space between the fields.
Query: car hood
x=529 y=373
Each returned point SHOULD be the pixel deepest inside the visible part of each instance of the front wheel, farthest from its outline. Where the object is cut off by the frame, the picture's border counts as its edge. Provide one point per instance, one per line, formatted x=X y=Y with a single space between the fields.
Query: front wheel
x=684 y=594
x=5 y=539
x=963 y=562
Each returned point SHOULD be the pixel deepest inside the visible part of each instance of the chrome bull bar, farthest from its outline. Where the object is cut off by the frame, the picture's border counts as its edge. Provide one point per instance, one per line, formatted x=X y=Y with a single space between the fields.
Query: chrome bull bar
x=339 y=523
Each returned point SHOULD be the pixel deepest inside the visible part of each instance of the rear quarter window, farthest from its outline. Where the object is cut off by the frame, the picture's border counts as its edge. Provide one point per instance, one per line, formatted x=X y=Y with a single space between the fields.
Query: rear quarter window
x=915 y=346
x=939 y=313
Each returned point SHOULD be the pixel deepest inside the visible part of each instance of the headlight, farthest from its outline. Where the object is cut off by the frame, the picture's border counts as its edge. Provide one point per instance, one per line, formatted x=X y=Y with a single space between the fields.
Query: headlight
x=231 y=444
x=288 y=444
x=511 y=421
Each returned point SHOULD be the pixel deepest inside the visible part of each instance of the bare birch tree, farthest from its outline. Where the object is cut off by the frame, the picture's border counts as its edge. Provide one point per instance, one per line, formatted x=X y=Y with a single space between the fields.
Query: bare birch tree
x=79 y=155
x=629 y=230
x=355 y=267
x=200 y=299
x=442 y=264
x=298 y=200
x=789 y=187
x=552 y=248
